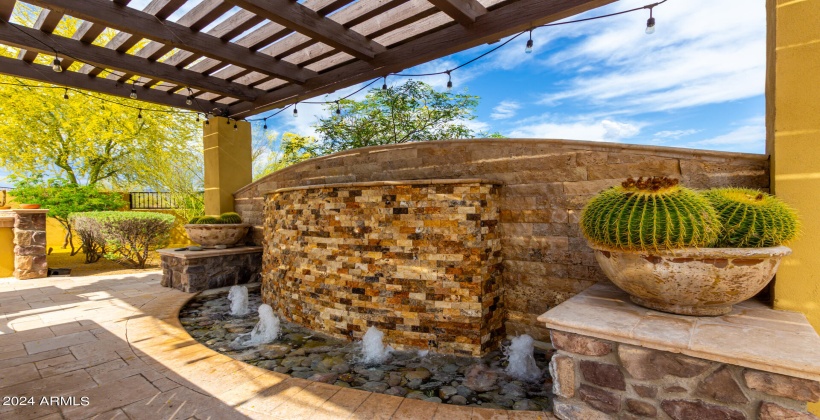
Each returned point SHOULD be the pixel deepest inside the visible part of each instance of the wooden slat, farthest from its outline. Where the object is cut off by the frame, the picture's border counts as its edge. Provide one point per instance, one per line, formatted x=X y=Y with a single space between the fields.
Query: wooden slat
x=173 y=35
x=103 y=57
x=465 y=12
x=46 y=22
x=306 y=21
x=498 y=23
x=6 y=9
x=44 y=74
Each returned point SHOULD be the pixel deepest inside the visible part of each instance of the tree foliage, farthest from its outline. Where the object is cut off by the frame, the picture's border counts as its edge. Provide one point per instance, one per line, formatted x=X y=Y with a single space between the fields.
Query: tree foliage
x=413 y=111
x=62 y=198
x=292 y=148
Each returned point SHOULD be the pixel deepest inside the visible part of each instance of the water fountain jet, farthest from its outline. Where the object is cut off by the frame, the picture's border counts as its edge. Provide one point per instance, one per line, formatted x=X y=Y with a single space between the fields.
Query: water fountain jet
x=374 y=351
x=238 y=295
x=521 y=361
x=265 y=331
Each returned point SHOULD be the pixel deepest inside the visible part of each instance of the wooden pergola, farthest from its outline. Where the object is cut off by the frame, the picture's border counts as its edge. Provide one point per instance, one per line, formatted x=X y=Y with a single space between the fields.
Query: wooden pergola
x=263 y=54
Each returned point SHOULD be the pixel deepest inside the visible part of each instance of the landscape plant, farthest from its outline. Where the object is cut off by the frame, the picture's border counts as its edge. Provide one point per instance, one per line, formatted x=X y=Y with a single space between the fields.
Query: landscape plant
x=649 y=214
x=128 y=236
x=752 y=219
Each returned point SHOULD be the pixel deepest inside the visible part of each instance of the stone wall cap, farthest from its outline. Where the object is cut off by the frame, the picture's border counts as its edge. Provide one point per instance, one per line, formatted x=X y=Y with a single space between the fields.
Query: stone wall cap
x=205 y=253
x=384 y=183
x=752 y=335
x=23 y=211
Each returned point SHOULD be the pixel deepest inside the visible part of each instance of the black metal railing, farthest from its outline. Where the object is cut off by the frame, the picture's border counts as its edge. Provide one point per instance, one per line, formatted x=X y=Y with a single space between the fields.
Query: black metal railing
x=145 y=200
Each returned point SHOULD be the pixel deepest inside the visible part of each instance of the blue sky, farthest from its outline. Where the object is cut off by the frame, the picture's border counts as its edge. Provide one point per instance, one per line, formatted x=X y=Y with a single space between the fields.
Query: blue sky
x=697 y=82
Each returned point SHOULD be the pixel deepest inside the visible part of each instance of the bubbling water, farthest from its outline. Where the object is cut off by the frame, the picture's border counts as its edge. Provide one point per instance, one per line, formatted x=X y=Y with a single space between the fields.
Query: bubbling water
x=238 y=295
x=374 y=351
x=521 y=361
x=265 y=331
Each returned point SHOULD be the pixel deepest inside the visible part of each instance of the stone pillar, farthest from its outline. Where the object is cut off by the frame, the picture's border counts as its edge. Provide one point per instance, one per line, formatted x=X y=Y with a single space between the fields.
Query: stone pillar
x=30 y=244
x=227 y=162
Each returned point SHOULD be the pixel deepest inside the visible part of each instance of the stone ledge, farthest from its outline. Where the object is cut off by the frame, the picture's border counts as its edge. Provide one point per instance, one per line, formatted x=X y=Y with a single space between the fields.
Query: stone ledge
x=206 y=253
x=383 y=183
x=23 y=211
x=752 y=335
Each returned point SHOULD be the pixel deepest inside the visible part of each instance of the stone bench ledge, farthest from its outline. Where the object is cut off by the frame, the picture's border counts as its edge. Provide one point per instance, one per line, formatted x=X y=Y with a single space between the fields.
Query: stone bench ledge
x=752 y=335
x=207 y=253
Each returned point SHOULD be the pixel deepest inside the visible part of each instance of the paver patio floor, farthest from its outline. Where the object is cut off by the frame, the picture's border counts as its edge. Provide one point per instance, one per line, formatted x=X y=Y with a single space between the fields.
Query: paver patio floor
x=116 y=341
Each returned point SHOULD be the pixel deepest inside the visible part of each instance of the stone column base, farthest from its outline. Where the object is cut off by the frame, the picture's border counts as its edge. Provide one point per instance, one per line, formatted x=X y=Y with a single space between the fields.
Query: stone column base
x=30 y=244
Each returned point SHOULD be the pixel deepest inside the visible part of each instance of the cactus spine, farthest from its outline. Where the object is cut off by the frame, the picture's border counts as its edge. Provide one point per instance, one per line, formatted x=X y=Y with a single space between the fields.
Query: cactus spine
x=230 y=218
x=649 y=214
x=752 y=219
x=194 y=220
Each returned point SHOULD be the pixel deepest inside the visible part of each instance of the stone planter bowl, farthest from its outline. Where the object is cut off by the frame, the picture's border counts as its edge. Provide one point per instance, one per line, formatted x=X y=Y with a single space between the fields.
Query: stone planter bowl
x=692 y=281
x=211 y=236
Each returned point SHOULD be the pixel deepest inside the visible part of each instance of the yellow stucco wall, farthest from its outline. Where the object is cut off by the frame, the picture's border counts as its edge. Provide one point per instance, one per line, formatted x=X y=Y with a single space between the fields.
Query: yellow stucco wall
x=227 y=153
x=793 y=107
x=6 y=252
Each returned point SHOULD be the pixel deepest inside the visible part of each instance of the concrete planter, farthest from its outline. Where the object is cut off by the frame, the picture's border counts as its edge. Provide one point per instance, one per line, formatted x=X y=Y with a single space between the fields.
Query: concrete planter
x=210 y=236
x=692 y=281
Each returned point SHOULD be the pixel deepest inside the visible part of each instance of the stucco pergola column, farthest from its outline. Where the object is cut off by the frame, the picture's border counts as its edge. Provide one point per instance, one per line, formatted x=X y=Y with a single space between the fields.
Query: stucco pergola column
x=793 y=142
x=227 y=162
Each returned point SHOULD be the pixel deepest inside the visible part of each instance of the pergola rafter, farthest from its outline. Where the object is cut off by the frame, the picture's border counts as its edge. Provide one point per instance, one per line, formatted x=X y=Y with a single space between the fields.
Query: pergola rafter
x=244 y=57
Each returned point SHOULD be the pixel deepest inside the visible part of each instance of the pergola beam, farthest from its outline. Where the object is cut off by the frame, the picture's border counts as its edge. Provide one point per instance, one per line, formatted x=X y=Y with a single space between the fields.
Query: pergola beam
x=496 y=24
x=171 y=34
x=6 y=8
x=306 y=21
x=42 y=73
x=32 y=39
x=465 y=12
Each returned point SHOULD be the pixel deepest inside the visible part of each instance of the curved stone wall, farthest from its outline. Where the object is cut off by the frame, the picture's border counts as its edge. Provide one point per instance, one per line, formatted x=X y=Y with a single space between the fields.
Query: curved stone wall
x=546 y=183
x=420 y=260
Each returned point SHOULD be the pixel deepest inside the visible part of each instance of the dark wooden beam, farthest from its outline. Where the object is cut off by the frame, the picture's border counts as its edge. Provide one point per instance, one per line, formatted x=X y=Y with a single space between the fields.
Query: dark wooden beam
x=46 y=22
x=42 y=73
x=465 y=12
x=306 y=21
x=24 y=37
x=496 y=24
x=171 y=34
x=6 y=9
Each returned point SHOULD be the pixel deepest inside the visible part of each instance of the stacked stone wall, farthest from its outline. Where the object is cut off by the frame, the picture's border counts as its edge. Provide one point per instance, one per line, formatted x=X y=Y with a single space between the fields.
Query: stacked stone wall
x=421 y=262
x=545 y=185
x=30 y=245
x=599 y=379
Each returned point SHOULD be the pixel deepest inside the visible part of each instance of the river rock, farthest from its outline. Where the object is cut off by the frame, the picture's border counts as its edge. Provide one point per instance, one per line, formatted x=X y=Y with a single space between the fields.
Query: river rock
x=375 y=386
x=457 y=400
x=480 y=379
x=446 y=392
x=327 y=378
x=396 y=390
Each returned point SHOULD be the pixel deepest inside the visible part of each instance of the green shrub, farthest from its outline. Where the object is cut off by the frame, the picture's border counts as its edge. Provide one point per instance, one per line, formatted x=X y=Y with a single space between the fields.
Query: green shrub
x=207 y=220
x=230 y=218
x=194 y=220
x=89 y=230
x=127 y=236
x=649 y=214
x=752 y=219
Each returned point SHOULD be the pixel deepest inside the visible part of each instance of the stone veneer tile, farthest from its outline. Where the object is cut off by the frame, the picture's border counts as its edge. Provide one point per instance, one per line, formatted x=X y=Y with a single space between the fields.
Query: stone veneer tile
x=419 y=260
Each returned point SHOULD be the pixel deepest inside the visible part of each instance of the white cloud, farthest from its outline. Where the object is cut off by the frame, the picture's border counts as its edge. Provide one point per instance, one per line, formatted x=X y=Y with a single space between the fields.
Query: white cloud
x=584 y=129
x=703 y=52
x=674 y=134
x=505 y=109
x=747 y=138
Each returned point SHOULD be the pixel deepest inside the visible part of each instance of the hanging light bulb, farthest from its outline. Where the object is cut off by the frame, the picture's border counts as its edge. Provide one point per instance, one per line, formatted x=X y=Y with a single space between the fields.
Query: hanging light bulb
x=449 y=81
x=650 y=23
x=65 y=95
x=197 y=117
x=528 y=50
x=235 y=127
x=57 y=65
x=139 y=115
x=189 y=100
x=295 y=111
x=133 y=94
x=338 y=108
x=265 y=125
x=384 y=86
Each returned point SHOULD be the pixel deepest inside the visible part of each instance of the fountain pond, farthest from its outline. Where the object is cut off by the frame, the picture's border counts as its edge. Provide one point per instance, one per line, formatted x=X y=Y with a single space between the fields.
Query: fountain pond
x=300 y=352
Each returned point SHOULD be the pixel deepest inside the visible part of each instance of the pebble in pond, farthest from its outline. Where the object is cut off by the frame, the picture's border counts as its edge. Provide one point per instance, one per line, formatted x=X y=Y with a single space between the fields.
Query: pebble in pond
x=423 y=375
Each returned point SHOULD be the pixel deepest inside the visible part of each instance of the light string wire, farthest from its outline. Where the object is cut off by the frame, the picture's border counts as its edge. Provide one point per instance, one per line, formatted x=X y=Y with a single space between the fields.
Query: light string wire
x=466 y=63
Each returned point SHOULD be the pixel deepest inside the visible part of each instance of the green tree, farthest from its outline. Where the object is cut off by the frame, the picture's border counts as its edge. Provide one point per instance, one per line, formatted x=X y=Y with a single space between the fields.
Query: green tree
x=410 y=112
x=292 y=149
x=62 y=198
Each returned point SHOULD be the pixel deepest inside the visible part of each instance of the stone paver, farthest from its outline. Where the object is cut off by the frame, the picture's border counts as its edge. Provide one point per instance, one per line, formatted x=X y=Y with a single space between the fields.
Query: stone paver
x=113 y=348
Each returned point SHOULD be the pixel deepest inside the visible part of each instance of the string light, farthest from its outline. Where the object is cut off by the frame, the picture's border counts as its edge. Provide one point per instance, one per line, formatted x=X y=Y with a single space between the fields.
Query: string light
x=190 y=99
x=133 y=94
x=650 y=23
x=449 y=80
x=139 y=115
x=384 y=86
x=265 y=124
x=235 y=127
x=338 y=108
x=57 y=65
x=65 y=95
x=197 y=117
x=295 y=111
x=528 y=50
